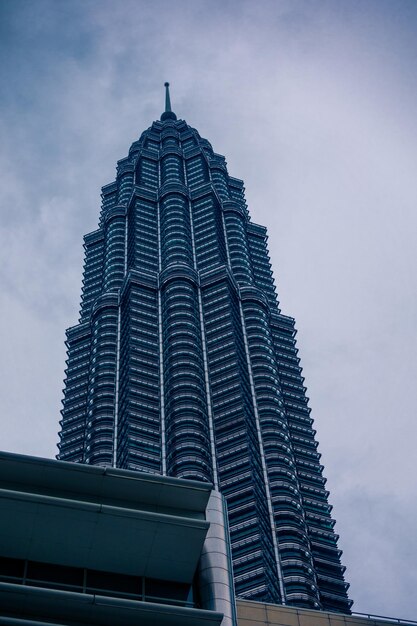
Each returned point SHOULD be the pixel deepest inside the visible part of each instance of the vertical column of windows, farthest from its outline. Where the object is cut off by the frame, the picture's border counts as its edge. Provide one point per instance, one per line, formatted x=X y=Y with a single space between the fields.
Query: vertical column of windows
x=197 y=171
x=261 y=267
x=323 y=540
x=135 y=149
x=171 y=169
x=117 y=254
x=170 y=141
x=147 y=173
x=219 y=178
x=187 y=143
x=175 y=230
x=204 y=349
x=205 y=145
x=109 y=200
x=238 y=246
x=131 y=235
x=73 y=423
x=297 y=572
x=93 y=272
x=162 y=387
x=139 y=405
x=101 y=393
x=114 y=264
x=125 y=187
x=240 y=474
x=152 y=145
x=208 y=233
x=161 y=342
x=187 y=431
x=237 y=192
x=143 y=236
x=268 y=519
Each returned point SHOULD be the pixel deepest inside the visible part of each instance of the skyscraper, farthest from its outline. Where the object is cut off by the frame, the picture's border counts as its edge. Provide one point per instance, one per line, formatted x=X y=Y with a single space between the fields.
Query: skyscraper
x=183 y=364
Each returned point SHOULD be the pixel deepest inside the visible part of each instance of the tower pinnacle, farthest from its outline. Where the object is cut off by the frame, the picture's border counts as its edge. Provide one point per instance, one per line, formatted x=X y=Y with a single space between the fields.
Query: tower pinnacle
x=168 y=114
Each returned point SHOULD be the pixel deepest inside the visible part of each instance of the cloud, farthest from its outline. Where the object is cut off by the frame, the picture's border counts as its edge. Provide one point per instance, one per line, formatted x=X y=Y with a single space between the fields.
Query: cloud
x=313 y=104
x=385 y=545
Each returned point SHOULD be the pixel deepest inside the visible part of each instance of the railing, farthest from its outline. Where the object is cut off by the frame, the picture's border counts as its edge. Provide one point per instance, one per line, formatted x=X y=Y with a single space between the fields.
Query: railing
x=390 y=620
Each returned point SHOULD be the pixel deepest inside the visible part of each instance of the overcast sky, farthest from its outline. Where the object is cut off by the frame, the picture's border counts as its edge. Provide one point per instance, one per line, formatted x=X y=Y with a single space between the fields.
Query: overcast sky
x=313 y=103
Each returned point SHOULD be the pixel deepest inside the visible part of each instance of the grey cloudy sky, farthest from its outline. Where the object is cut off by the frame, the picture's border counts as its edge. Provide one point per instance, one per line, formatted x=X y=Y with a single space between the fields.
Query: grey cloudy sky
x=314 y=105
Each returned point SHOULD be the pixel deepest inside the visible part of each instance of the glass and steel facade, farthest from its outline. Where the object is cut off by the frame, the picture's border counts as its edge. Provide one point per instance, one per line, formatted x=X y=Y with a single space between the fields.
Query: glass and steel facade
x=182 y=364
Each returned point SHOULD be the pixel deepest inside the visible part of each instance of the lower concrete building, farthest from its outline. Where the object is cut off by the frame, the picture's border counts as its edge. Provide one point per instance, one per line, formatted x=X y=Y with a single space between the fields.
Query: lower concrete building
x=261 y=614
x=88 y=545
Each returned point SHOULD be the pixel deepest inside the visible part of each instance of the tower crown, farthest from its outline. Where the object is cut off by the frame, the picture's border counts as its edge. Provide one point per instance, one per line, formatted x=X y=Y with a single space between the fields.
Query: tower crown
x=168 y=114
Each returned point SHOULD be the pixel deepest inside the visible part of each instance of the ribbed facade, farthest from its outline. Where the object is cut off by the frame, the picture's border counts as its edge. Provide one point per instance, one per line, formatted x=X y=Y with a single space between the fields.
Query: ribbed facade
x=182 y=364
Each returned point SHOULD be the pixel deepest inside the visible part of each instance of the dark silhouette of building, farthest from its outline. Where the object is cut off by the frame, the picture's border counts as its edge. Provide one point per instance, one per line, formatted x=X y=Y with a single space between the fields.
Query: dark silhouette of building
x=182 y=364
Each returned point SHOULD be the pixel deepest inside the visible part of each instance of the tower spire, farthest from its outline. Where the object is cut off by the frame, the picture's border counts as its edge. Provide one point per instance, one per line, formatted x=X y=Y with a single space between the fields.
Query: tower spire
x=168 y=114
x=167 y=98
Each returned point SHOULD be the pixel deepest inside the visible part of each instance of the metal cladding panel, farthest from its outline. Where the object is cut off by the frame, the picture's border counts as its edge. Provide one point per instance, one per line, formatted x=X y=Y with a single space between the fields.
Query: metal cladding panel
x=106 y=519
x=83 y=534
x=123 y=488
x=65 y=608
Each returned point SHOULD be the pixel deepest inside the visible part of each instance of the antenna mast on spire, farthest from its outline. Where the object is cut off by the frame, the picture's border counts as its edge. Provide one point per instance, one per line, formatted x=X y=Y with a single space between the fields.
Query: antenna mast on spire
x=167 y=98
x=168 y=113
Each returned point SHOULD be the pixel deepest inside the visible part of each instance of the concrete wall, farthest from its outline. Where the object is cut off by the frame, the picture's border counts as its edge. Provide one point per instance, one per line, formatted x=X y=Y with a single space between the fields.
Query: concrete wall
x=259 y=614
